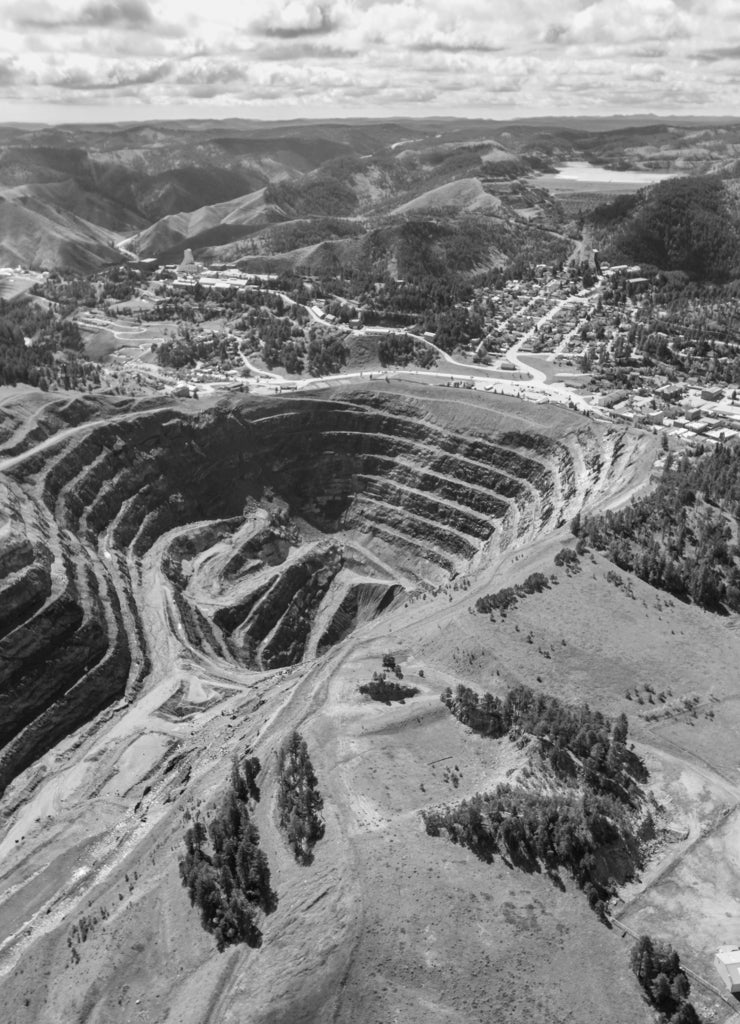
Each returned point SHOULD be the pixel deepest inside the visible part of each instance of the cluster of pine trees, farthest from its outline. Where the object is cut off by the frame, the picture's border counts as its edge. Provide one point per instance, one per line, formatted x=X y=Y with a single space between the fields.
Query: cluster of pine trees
x=326 y=353
x=229 y=878
x=532 y=828
x=188 y=349
x=322 y=195
x=68 y=293
x=299 y=801
x=658 y=969
x=578 y=743
x=49 y=335
x=568 y=825
x=400 y=350
x=386 y=690
x=296 y=234
x=508 y=597
x=678 y=538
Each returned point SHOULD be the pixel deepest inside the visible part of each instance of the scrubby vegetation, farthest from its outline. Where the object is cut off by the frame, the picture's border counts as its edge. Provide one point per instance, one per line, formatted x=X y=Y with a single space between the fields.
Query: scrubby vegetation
x=680 y=537
x=658 y=969
x=229 y=878
x=584 y=804
x=299 y=801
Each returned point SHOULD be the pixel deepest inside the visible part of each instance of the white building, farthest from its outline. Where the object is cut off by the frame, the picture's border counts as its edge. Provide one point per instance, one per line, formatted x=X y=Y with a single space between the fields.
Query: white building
x=727 y=963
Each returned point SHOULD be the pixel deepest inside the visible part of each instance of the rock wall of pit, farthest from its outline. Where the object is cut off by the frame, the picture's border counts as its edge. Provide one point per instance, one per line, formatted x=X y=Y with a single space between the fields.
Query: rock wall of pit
x=414 y=481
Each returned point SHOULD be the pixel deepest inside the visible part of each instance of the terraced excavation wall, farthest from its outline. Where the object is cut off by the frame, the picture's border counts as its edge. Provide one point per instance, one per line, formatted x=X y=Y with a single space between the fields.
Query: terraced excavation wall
x=77 y=515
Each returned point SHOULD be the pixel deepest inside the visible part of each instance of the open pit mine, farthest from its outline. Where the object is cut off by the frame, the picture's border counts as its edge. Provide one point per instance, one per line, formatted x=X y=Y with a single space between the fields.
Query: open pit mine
x=183 y=582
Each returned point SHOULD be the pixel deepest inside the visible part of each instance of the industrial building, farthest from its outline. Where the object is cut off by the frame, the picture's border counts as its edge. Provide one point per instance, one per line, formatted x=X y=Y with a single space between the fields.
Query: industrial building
x=727 y=963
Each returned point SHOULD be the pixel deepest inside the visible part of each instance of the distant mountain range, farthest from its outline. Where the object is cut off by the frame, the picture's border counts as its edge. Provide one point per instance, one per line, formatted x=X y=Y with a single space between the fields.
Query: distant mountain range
x=262 y=191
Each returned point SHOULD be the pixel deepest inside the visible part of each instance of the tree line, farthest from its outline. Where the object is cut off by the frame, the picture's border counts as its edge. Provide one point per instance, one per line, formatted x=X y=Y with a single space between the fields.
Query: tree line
x=508 y=597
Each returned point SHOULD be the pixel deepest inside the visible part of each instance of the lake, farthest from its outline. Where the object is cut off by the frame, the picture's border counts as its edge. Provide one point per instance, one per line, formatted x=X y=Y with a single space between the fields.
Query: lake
x=579 y=176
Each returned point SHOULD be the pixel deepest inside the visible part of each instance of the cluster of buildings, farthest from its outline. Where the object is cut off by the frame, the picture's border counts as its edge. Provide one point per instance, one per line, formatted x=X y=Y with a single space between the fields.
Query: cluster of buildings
x=512 y=312
x=190 y=273
x=690 y=413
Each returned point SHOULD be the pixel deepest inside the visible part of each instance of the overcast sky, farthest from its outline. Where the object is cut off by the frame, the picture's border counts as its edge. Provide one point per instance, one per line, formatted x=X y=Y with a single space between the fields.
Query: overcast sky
x=134 y=59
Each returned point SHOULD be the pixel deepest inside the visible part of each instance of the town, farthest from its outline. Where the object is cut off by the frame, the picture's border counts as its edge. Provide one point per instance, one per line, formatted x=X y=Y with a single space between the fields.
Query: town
x=608 y=341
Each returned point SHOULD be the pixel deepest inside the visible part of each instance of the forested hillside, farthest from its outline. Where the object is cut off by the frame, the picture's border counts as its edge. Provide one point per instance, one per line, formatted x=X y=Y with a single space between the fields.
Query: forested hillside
x=39 y=348
x=683 y=537
x=689 y=224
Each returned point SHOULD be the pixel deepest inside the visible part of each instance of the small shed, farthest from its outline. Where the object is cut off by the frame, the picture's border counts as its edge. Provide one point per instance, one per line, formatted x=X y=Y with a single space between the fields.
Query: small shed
x=727 y=964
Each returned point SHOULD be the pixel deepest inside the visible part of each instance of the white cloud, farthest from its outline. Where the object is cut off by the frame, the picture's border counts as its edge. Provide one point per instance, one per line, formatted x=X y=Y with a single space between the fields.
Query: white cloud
x=351 y=56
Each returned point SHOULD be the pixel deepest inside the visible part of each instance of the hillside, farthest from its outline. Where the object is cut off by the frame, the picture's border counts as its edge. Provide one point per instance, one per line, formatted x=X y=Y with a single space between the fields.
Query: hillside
x=129 y=178
x=38 y=233
x=466 y=195
x=691 y=224
x=208 y=226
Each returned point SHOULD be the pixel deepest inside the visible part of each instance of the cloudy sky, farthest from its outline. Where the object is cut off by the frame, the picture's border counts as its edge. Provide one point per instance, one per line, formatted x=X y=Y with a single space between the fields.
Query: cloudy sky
x=110 y=59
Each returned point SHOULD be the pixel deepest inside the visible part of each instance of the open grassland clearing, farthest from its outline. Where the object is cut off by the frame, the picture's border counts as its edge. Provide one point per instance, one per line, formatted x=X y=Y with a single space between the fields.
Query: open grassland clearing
x=17 y=284
x=101 y=342
x=587 y=638
x=436 y=907
x=707 y=732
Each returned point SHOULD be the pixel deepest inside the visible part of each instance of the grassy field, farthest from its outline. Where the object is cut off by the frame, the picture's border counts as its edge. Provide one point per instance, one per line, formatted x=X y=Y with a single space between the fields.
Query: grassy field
x=561 y=371
x=101 y=342
x=12 y=287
